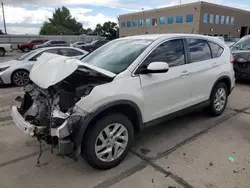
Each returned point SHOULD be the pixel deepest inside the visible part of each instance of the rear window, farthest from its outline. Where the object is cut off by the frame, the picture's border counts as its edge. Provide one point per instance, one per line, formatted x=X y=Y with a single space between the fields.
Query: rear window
x=216 y=49
x=199 y=50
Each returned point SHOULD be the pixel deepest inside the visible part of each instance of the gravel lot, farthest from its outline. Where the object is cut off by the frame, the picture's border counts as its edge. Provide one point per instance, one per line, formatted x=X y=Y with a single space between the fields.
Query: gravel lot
x=190 y=151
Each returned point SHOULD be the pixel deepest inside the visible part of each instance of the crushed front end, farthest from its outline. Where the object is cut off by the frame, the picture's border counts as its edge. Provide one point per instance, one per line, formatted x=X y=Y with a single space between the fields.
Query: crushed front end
x=52 y=115
x=48 y=115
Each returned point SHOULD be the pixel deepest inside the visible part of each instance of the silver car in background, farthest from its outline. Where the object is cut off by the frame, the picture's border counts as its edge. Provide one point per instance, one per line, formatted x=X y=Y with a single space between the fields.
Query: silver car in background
x=17 y=71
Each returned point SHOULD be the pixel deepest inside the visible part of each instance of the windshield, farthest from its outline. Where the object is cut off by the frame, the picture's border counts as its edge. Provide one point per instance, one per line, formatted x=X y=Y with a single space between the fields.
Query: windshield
x=27 y=56
x=117 y=55
x=242 y=44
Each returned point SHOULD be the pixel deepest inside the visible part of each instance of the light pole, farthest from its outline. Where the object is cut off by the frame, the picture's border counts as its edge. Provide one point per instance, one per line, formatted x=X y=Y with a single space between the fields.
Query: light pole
x=4 y=20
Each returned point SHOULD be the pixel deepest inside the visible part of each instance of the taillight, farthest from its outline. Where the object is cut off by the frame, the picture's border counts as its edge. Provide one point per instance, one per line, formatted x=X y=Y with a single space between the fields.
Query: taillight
x=231 y=58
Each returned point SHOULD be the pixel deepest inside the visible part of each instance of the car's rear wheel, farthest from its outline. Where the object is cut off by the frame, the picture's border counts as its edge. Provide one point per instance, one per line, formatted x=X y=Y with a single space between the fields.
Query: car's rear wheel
x=218 y=99
x=2 y=52
x=26 y=49
x=108 y=141
x=20 y=78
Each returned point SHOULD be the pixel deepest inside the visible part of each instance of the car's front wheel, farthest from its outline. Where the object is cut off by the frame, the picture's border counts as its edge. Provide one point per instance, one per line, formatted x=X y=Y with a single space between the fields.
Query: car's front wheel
x=108 y=141
x=20 y=78
x=2 y=52
x=218 y=99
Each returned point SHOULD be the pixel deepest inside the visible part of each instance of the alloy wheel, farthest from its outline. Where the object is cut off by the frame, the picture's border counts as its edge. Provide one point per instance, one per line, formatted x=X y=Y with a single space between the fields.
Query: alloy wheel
x=220 y=99
x=111 y=142
x=21 y=78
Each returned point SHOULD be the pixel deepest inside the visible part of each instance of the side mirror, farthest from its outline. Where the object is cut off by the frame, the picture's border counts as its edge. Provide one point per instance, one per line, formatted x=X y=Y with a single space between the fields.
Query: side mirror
x=157 y=67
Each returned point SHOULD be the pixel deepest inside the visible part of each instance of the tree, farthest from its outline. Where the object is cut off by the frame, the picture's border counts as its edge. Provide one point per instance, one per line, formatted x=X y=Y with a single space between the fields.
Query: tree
x=61 y=23
x=1 y=32
x=108 y=29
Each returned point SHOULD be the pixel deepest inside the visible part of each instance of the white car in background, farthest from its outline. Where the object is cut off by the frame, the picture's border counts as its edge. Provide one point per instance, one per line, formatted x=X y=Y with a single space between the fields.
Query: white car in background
x=77 y=44
x=17 y=71
x=5 y=48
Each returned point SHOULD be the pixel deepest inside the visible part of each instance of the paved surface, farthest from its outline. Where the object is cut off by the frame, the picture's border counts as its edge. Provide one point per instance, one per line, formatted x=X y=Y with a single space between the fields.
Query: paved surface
x=190 y=151
x=11 y=55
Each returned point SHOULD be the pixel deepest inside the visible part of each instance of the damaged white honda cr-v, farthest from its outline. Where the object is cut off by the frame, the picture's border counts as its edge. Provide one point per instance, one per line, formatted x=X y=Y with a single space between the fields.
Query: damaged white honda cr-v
x=94 y=106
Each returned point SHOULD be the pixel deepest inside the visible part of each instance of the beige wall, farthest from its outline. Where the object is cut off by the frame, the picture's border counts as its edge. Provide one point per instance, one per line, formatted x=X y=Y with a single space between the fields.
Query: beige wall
x=240 y=19
x=198 y=9
x=167 y=28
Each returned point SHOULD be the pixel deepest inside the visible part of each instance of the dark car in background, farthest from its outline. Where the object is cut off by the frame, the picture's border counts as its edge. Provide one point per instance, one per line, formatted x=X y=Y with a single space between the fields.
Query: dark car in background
x=93 y=45
x=241 y=54
x=51 y=43
x=27 y=46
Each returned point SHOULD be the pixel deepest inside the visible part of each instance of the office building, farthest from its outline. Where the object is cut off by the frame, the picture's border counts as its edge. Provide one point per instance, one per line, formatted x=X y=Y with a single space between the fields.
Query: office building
x=200 y=18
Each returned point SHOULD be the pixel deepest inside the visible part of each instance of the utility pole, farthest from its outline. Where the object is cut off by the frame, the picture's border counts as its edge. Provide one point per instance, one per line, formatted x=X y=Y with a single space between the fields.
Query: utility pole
x=180 y=2
x=4 y=20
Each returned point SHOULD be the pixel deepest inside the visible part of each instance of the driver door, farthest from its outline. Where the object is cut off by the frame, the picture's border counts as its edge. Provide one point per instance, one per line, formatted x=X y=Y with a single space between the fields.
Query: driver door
x=165 y=93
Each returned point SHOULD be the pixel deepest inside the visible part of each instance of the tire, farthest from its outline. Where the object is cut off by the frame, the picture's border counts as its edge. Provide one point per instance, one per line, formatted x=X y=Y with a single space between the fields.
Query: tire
x=26 y=49
x=20 y=78
x=219 y=94
x=2 y=52
x=108 y=160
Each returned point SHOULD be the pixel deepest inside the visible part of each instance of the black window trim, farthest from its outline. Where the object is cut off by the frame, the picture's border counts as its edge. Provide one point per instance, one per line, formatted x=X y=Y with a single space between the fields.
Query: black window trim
x=134 y=73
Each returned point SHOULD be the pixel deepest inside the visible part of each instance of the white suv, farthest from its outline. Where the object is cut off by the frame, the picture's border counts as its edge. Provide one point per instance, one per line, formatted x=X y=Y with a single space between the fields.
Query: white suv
x=95 y=106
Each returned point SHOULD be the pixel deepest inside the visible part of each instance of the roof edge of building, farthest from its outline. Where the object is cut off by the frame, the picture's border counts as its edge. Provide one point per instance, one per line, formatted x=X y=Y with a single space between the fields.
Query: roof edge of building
x=183 y=5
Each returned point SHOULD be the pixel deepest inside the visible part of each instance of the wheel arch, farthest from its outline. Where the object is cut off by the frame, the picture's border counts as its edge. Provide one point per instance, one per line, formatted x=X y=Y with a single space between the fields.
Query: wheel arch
x=224 y=79
x=126 y=107
x=2 y=48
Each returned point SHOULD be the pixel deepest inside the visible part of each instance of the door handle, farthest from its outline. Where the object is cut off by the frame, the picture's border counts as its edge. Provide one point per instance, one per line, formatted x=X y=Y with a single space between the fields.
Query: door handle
x=215 y=65
x=185 y=73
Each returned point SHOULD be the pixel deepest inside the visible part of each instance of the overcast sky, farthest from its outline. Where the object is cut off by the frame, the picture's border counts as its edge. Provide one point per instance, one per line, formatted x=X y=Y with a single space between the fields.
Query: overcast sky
x=26 y=16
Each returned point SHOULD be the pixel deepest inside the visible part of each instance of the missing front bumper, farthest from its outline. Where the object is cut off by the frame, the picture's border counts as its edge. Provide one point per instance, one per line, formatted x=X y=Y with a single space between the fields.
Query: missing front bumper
x=23 y=125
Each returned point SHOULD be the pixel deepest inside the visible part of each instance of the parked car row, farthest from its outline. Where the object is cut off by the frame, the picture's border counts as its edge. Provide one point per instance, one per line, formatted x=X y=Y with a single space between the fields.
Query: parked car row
x=41 y=43
x=95 y=105
x=17 y=71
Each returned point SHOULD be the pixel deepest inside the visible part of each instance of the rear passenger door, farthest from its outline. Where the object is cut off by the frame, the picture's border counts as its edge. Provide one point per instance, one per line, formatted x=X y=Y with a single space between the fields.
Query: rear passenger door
x=204 y=67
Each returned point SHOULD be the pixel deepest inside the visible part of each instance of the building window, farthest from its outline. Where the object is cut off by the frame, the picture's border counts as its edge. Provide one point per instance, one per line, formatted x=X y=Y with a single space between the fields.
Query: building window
x=189 y=18
x=147 y=22
x=128 y=23
x=205 y=17
x=227 y=20
x=222 y=20
x=217 y=19
x=179 y=19
x=141 y=23
x=162 y=20
x=123 y=24
x=232 y=21
x=135 y=23
x=154 y=22
x=211 y=18
x=170 y=20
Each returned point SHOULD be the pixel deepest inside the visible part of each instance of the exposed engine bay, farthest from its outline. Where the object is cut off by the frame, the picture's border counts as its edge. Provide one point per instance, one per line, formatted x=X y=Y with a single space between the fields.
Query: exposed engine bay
x=51 y=110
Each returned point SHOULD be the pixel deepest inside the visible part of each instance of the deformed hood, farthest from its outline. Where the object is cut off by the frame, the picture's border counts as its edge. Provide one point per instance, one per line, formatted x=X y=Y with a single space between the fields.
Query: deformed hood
x=52 y=68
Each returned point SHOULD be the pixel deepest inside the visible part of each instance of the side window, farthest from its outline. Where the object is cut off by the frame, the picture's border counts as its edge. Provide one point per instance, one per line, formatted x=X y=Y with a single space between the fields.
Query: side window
x=171 y=52
x=53 y=51
x=70 y=52
x=216 y=49
x=199 y=50
x=53 y=42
